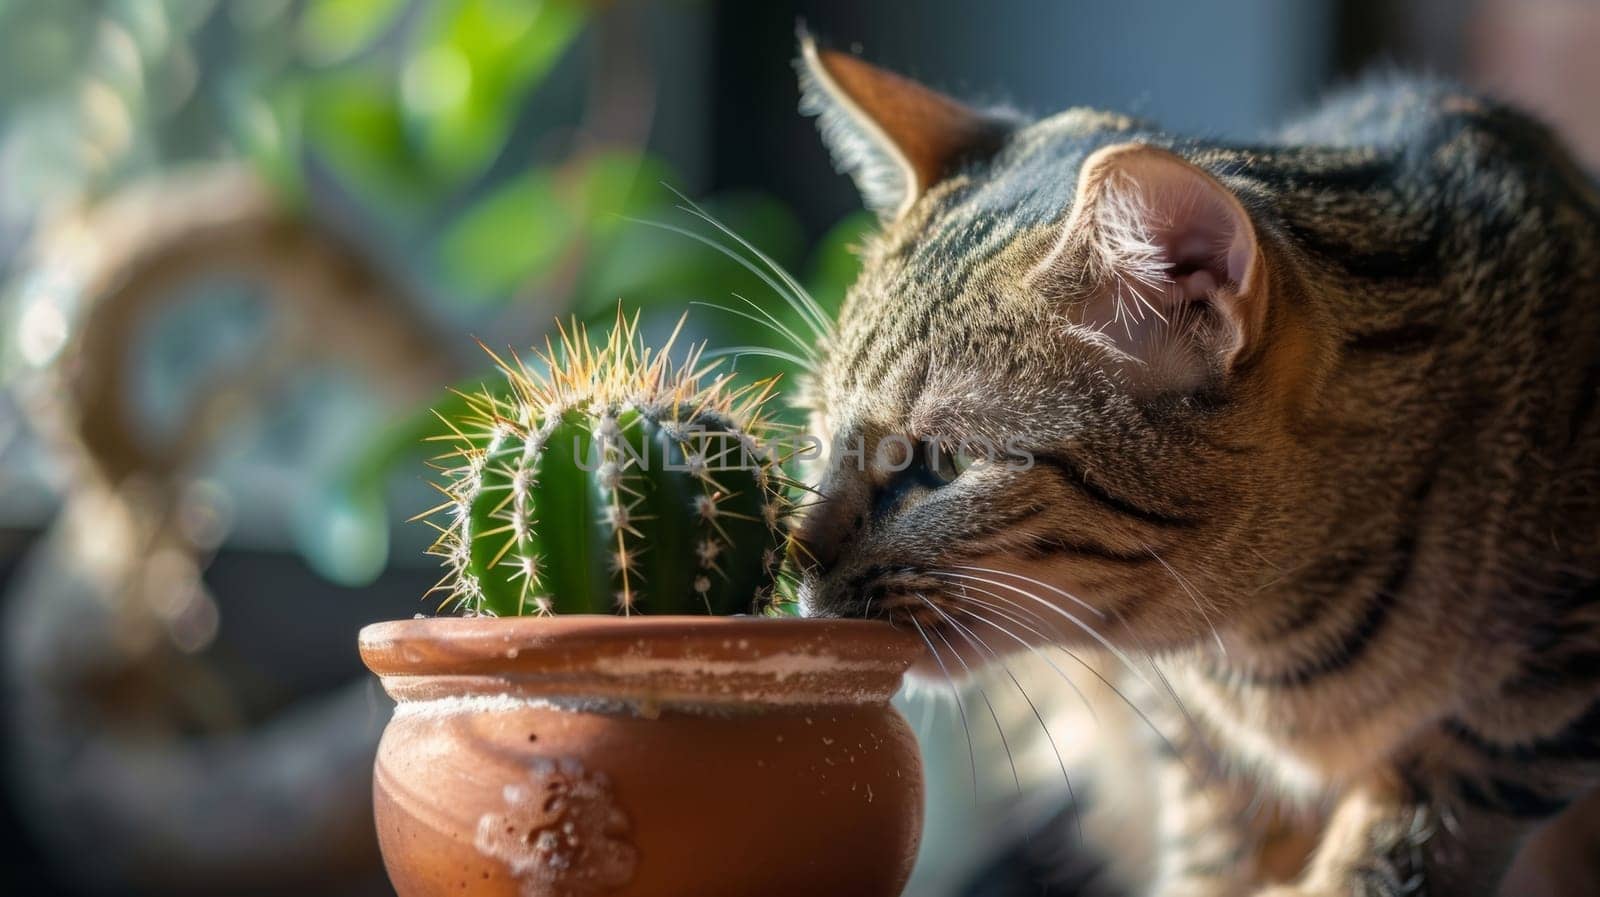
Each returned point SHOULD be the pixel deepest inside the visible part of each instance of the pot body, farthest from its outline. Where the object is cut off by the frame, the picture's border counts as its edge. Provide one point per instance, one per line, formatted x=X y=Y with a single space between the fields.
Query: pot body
x=651 y=756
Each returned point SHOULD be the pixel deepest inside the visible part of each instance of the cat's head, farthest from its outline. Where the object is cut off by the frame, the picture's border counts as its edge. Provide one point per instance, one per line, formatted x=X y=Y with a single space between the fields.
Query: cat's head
x=1058 y=380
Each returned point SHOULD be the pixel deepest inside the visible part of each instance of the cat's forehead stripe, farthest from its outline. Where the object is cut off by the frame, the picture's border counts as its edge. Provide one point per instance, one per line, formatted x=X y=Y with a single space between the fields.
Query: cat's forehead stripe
x=934 y=276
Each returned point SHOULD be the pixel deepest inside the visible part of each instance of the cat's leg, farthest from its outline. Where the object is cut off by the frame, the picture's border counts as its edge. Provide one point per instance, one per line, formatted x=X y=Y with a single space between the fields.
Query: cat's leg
x=1385 y=839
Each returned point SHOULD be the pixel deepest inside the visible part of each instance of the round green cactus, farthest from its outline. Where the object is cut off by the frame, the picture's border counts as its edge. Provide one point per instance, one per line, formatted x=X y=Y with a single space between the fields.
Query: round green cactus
x=610 y=480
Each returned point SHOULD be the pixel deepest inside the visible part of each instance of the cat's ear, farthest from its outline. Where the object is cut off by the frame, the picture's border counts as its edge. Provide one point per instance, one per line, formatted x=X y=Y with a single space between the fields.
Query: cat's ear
x=1164 y=261
x=893 y=136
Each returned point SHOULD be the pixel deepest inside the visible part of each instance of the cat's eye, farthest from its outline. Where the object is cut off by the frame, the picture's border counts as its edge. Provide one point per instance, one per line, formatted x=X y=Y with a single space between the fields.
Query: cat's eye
x=949 y=462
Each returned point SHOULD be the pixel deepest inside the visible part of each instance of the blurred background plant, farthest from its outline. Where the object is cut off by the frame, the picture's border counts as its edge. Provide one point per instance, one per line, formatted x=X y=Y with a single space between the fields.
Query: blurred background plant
x=461 y=168
x=493 y=159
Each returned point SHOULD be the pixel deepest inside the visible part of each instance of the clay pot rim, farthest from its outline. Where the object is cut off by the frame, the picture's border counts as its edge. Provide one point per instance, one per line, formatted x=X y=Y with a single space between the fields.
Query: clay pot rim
x=670 y=659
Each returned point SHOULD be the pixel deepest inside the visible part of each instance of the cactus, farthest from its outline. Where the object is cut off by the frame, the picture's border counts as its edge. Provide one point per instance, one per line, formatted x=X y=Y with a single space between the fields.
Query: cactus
x=608 y=480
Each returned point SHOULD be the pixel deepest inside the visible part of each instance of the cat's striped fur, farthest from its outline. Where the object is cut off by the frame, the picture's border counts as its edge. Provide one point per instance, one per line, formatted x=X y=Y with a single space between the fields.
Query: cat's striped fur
x=1358 y=536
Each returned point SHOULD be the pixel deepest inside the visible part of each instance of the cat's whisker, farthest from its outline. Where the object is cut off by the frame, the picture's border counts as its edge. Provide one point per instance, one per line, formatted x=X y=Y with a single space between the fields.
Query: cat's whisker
x=738 y=259
x=1037 y=619
x=924 y=719
x=1036 y=629
x=983 y=693
x=797 y=486
x=1070 y=617
x=1193 y=594
x=977 y=641
x=1137 y=710
x=1166 y=684
x=1032 y=581
x=1044 y=604
x=1115 y=652
x=764 y=319
x=961 y=707
x=760 y=351
x=800 y=298
x=811 y=499
x=1006 y=611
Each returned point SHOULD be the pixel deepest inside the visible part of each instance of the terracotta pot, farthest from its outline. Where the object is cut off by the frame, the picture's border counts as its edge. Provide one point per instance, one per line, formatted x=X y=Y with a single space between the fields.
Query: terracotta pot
x=698 y=756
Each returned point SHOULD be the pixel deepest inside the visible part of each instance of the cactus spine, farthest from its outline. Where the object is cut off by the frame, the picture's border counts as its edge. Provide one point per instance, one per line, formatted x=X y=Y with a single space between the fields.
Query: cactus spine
x=611 y=480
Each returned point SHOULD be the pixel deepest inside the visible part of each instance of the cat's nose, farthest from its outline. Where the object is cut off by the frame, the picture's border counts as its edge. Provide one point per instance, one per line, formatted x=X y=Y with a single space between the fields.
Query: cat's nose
x=822 y=532
x=832 y=524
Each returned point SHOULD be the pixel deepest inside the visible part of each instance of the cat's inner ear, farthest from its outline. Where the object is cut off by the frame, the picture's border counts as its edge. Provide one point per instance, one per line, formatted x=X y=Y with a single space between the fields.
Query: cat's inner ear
x=1163 y=261
x=893 y=136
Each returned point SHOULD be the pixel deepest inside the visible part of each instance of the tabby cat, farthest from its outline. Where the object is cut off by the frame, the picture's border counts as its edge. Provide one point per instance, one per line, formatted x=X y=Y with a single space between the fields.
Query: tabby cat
x=1309 y=439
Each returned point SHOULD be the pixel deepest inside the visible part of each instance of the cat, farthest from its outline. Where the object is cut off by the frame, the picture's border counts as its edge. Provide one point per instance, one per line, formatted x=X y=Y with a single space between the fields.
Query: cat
x=1301 y=435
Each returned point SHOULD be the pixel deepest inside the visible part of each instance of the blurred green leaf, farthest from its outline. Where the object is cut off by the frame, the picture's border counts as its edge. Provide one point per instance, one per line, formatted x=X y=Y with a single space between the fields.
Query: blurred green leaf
x=516 y=234
x=663 y=272
x=353 y=120
x=520 y=232
x=474 y=61
x=835 y=262
x=332 y=31
x=617 y=185
x=649 y=263
x=344 y=531
x=265 y=125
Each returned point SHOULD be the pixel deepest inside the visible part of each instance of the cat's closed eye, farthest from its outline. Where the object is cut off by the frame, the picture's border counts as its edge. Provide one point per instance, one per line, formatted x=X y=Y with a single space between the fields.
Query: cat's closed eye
x=949 y=461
